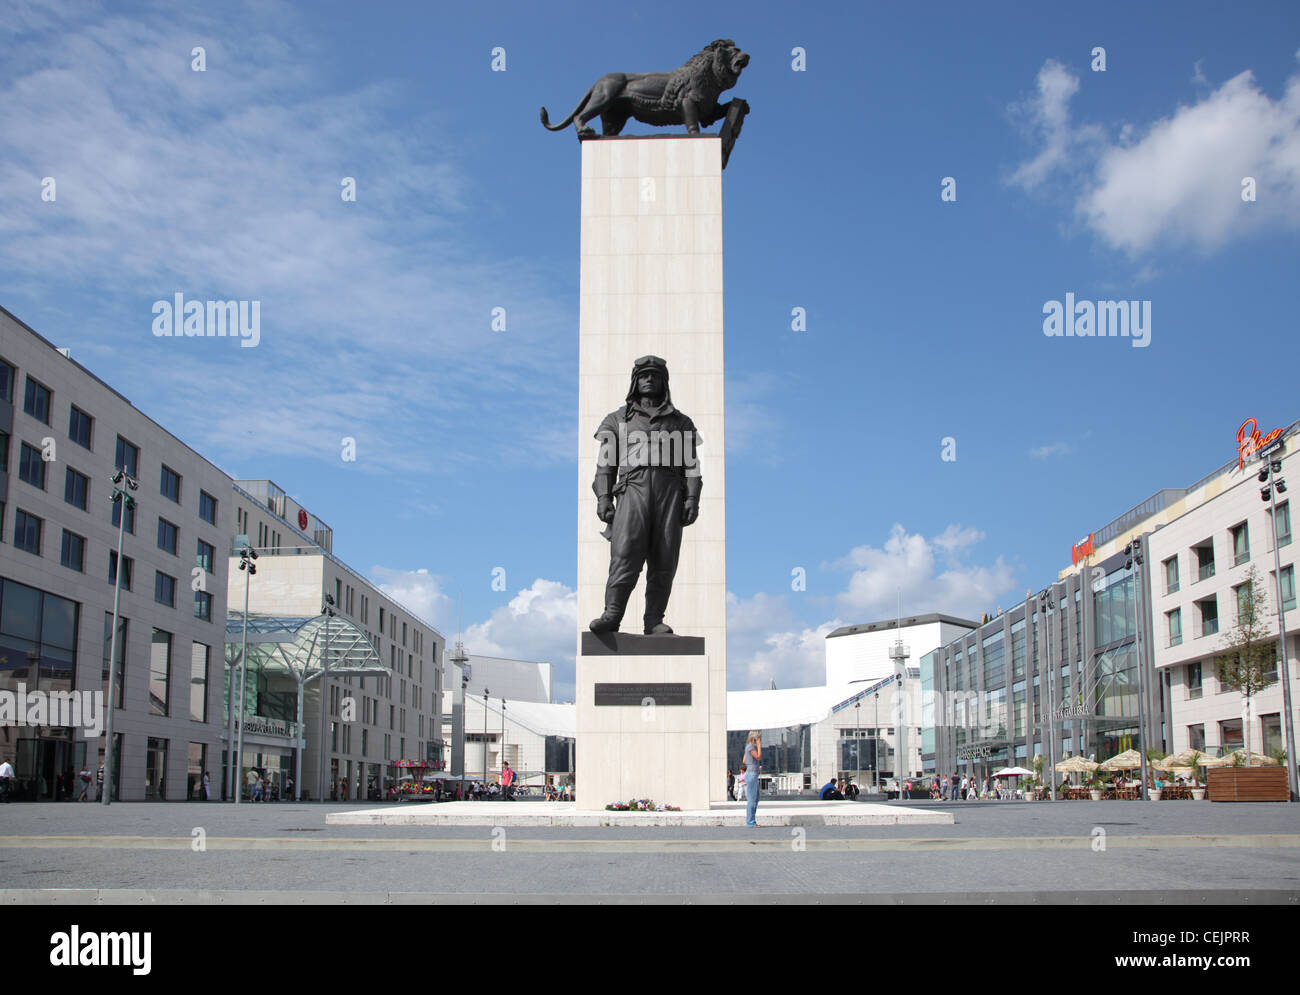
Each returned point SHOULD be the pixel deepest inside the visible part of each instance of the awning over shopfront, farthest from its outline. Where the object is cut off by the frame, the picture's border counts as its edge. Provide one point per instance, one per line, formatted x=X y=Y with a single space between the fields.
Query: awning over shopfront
x=298 y=645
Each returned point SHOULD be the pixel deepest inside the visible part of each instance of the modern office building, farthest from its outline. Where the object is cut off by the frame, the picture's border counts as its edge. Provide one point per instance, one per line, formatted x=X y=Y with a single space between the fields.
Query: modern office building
x=1202 y=560
x=374 y=721
x=63 y=435
x=514 y=680
x=862 y=652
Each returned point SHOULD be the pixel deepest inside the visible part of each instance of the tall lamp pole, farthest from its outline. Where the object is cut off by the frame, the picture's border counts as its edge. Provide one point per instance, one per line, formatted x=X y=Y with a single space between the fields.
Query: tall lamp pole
x=1274 y=485
x=875 y=743
x=857 y=738
x=1134 y=558
x=503 y=743
x=327 y=611
x=1045 y=599
x=246 y=557
x=485 y=767
x=122 y=482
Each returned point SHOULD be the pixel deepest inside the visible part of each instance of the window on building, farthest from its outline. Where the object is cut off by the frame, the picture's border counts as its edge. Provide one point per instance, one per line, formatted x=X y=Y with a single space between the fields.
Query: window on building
x=127 y=457
x=1282 y=524
x=1171 y=575
x=7 y=376
x=1175 y=618
x=200 y=657
x=204 y=555
x=1204 y=559
x=73 y=555
x=171 y=484
x=130 y=513
x=1196 y=737
x=1242 y=594
x=27 y=532
x=164 y=589
x=1288 y=587
x=76 y=489
x=1240 y=544
x=119 y=655
x=37 y=401
x=31 y=467
x=79 y=426
x=1270 y=727
x=207 y=507
x=160 y=673
x=1209 y=612
x=1230 y=735
x=203 y=606
x=4 y=452
x=168 y=535
x=128 y=565
x=1194 y=687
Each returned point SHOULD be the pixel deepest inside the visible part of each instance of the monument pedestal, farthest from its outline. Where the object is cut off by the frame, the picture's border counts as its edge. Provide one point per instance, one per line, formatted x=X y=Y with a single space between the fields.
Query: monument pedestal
x=651 y=284
x=656 y=744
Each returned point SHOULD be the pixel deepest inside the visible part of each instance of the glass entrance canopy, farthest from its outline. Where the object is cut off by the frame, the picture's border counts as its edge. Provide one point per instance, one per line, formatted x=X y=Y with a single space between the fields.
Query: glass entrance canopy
x=302 y=645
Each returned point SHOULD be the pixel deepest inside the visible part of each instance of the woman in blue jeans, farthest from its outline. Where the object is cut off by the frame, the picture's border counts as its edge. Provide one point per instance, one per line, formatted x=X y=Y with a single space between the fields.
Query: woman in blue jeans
x=752 y=761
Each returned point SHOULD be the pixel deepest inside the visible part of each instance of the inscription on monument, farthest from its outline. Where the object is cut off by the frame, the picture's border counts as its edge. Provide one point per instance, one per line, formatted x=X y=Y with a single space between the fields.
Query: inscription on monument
x=643 y=694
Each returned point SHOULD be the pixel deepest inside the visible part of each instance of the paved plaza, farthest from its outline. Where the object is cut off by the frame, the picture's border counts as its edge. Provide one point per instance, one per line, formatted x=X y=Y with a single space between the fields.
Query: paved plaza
x=992 y=852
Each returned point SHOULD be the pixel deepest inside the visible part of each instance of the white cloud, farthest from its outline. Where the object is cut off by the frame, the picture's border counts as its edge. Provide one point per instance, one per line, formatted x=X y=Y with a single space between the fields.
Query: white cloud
x=764 y=644
x=1181 y=183
x=539 y=623
x=927 y=574
x=225 y=184
x=1177 y=181
x=1047 y=114
x=1052 y=449
x=420 y=592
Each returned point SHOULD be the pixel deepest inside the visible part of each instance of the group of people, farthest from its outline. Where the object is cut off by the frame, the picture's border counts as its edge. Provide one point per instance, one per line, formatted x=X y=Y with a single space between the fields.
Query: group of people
x=261 y=787
x=838 y=791
x=960 y=787
x=67 y=785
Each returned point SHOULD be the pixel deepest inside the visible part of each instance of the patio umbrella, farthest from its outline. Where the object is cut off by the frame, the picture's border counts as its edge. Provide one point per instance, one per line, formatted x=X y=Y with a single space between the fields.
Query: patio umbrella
x=1128 y=760
x=1171 y=765
x=1012 y=772
x=1184 y=759
x=1256 y=759
x=1076 y=765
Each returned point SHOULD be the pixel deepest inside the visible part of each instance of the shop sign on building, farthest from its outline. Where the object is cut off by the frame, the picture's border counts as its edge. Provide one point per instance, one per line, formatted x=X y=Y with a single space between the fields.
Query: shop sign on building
x=261 y=725
x=1081 y=549
x=1251 y=444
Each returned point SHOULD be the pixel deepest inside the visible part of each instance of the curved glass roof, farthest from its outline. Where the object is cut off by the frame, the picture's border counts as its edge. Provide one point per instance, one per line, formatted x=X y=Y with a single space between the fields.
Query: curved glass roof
x=299 y=644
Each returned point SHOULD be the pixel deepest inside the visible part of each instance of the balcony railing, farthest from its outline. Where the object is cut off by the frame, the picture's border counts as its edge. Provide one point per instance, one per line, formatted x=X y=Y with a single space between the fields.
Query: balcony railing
x=1205 y=571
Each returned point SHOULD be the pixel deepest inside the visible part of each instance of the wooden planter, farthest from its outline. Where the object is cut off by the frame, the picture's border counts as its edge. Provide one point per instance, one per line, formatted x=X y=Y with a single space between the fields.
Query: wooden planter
x=1247 y=784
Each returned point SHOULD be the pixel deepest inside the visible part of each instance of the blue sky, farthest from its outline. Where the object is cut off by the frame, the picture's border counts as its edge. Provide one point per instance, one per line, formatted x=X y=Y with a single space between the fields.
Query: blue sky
x=924 y=317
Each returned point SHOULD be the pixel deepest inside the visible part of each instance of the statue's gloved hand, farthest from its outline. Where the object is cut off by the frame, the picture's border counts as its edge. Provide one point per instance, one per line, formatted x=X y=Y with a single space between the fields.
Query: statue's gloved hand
x=605 y=509
x=690 y=510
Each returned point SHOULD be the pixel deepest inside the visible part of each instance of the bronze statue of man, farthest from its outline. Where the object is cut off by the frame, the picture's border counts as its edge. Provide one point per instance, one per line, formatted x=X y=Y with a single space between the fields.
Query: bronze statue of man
x=647 y=489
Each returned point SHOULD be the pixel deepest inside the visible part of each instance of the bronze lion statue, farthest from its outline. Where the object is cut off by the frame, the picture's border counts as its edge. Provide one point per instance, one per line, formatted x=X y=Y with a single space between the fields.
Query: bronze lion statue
x=687 y=95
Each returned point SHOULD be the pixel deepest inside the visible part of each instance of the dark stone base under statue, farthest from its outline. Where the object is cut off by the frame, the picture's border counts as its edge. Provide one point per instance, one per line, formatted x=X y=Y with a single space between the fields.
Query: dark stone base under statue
x=635 y=644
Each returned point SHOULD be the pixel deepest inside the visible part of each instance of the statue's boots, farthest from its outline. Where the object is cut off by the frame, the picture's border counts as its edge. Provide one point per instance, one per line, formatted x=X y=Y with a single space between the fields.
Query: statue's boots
x=658 y=629
x=615 y=604
x=656 y=601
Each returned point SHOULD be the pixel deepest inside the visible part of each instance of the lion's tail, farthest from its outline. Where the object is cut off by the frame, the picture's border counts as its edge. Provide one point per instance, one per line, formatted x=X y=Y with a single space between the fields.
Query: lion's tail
x=546 y=120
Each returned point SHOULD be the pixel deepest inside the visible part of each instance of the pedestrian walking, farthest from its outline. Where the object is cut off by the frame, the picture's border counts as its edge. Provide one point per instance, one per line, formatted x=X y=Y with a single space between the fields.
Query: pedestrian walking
x=6 y=779
x=751 y=764
x=207 y=786
x=83 y=778
x=99 y=783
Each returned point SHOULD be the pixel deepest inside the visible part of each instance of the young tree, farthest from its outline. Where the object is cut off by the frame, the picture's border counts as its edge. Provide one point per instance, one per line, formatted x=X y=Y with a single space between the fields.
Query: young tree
x=1248 y=663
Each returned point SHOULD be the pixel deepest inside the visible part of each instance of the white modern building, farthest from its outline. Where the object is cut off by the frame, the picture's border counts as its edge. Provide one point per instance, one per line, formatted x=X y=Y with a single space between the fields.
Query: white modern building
x=514 y=680
x=63 y=435
x=1200 y=561
x=862 y=652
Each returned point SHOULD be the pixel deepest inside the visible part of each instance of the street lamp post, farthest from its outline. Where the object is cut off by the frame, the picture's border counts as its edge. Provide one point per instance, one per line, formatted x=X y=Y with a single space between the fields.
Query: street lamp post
x=1134 y=558
x=1048 y=604
x=857 y=737
x=326 y=610
x=1274 y=485
x=122 y=483
x=875 y=743
x=503 y=744
x=246 y=557
x=485 y=717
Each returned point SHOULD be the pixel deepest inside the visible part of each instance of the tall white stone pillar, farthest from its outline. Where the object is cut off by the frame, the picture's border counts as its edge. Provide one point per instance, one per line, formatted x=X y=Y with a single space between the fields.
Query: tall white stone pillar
x=651 y=283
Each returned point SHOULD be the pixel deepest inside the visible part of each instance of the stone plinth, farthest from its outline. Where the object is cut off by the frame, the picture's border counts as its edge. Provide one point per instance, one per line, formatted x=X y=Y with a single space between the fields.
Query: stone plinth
x=651 y=284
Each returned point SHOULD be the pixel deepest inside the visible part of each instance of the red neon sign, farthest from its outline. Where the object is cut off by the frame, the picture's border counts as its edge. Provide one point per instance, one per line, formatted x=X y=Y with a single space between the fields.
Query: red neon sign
x=1081 y=549
x=1249 y=441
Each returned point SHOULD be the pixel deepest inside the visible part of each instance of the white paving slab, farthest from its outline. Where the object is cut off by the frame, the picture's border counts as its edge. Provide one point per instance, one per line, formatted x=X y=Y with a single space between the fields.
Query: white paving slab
x=774 y=813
